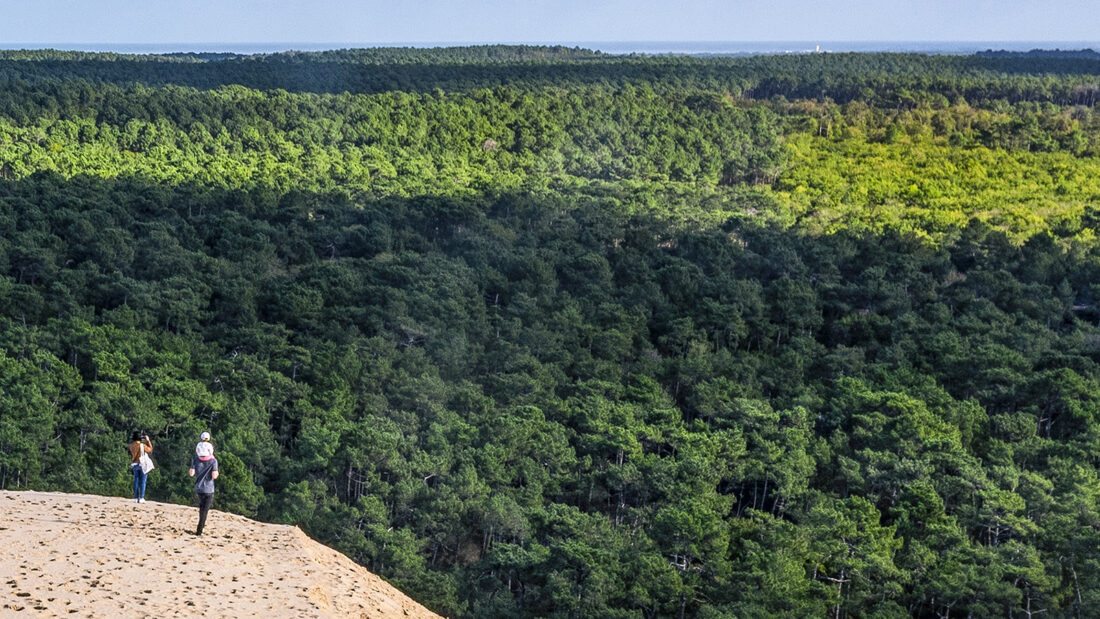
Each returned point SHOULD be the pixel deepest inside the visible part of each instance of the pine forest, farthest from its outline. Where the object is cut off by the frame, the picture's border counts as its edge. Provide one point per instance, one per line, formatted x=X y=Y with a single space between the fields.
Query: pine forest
x=537 y=331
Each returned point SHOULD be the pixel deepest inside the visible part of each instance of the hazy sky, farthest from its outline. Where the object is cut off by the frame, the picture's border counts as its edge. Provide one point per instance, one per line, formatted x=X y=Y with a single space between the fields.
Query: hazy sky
x=425 y=21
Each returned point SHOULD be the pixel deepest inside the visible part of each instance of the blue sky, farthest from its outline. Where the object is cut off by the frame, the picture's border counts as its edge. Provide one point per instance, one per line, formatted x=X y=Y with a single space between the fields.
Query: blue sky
x=427 y=21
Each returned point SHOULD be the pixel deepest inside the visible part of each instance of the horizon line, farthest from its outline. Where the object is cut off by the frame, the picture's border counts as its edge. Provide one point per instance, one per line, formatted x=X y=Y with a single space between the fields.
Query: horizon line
x=554 y=42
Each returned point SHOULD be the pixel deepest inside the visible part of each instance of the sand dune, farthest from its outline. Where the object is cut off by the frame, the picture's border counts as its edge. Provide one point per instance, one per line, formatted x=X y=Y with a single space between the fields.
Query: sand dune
x=78 y=555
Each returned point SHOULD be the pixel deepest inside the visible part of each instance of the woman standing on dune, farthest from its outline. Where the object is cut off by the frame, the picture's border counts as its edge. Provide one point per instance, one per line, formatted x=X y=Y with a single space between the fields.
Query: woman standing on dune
x=139 y=444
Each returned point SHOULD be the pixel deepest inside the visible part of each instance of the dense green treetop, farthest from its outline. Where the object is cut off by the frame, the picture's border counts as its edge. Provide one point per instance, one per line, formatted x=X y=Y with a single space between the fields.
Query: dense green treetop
x=539 y=332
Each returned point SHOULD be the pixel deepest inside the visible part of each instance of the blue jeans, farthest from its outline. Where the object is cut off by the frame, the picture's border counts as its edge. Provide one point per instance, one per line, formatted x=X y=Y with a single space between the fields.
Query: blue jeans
x=139 y=481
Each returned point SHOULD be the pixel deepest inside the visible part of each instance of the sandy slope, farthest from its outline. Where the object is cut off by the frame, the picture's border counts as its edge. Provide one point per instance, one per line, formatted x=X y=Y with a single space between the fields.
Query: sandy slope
x=78 y=555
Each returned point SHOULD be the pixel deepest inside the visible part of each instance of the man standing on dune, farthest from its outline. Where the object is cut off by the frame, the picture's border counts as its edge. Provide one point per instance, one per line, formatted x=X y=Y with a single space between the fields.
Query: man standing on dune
x=204 y=468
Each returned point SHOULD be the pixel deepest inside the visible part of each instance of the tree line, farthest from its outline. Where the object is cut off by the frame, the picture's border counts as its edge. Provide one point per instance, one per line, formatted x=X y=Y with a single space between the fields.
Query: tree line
x=886 y=79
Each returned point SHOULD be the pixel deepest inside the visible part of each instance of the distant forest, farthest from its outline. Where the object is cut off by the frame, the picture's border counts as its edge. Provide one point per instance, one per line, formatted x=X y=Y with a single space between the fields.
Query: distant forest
x=545 y=332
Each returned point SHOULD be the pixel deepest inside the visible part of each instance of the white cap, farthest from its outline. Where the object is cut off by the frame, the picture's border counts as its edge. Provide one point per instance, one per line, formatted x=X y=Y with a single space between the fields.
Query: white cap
x=205 y=436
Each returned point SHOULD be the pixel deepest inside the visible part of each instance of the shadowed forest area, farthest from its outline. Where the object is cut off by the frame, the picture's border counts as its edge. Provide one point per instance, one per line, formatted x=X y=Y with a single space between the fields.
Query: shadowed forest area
x=545 y=332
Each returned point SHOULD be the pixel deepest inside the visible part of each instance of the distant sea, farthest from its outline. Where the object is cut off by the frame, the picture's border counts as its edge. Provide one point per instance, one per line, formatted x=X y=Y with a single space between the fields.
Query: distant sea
x=695 y=48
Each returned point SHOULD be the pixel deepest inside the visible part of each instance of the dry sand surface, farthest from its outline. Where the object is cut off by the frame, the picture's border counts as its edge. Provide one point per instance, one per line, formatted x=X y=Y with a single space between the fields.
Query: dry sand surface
x=78 y=555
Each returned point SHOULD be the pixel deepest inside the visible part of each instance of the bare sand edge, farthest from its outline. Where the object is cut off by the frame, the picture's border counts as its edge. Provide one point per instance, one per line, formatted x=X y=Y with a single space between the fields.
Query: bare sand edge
x=81 y=555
